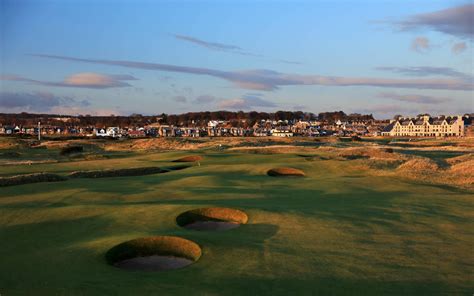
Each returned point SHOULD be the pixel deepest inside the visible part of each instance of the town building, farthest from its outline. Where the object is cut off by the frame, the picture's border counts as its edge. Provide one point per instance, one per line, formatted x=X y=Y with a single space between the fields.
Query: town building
x=426 y=126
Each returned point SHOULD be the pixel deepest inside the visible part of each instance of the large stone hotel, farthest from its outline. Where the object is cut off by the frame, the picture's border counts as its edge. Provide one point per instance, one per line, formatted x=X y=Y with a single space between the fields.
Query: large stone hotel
x=426 y=126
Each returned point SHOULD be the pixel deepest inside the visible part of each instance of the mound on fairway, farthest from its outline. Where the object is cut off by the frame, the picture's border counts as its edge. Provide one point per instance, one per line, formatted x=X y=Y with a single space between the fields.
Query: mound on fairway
x=118 y=172
x=191 y=158
x=285 y=172
x=212 y=219
x=155 y=253
x=30 y=178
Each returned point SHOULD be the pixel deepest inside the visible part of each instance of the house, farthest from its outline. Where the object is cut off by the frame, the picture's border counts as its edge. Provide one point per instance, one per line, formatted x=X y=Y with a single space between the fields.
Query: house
x=113 y=132
x=282 y=131
x=426 y=126
x=136 y=134
x=101 y=132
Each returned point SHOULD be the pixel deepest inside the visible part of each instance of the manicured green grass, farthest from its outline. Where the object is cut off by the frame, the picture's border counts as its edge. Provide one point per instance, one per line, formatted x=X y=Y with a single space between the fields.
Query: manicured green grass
x=336 y=231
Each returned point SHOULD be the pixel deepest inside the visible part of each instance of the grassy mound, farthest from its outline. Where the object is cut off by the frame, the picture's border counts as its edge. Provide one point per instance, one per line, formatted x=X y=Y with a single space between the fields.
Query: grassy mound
x=281 y=172
x=463 y=172
x=71 y=149
x=212 y=214
x=152 y=246
x=367 y=153
x=118 y=172
x=460 y=159
x=418 y=165
x=191 y=158
x=30 y=178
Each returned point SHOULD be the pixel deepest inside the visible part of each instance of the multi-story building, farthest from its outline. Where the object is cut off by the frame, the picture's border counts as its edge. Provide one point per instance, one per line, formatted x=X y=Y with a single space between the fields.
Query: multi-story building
x=426 y=126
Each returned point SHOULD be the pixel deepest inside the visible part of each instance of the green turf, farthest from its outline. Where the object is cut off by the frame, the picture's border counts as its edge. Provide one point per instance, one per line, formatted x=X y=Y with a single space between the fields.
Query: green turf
x=337 y=231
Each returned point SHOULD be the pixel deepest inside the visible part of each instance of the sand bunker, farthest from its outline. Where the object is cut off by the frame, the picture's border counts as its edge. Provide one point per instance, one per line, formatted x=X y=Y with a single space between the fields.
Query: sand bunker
x=212 y=219
x=191 y=158
x=156 y=253
x=30 y=178
x=285 y=172
x=118 y=172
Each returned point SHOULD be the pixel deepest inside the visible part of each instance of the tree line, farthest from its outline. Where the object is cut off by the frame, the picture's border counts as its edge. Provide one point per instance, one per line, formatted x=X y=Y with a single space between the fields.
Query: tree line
x=239 y=118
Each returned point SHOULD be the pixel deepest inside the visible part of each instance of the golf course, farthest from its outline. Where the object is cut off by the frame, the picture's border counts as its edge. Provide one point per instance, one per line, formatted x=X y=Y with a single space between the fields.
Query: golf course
x=306 y=217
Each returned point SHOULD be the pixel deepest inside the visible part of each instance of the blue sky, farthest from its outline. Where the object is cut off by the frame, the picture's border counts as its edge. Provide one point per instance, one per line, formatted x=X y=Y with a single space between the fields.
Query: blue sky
x=149 y=57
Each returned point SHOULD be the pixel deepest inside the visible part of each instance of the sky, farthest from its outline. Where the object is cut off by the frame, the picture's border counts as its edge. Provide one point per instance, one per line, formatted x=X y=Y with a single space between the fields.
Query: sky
x=102 y=57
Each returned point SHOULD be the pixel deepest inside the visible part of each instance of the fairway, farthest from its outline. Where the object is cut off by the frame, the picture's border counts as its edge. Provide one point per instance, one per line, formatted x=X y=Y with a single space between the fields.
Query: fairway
x=338 y=230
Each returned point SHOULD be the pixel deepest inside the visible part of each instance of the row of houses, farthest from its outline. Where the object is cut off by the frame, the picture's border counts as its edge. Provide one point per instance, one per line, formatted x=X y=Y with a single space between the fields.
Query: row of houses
x=422 y=126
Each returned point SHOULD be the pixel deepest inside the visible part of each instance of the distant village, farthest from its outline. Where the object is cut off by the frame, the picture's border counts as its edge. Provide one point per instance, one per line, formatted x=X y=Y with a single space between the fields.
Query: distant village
x=235 y=124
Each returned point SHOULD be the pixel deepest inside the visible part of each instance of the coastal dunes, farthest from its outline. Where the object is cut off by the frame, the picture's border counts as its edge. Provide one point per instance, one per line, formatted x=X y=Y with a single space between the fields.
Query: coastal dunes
x=155 y=253
x=213 y=218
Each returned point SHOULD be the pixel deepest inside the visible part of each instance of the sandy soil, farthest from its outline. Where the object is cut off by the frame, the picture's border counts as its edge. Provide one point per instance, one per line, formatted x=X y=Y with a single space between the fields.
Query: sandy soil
x=153 y=263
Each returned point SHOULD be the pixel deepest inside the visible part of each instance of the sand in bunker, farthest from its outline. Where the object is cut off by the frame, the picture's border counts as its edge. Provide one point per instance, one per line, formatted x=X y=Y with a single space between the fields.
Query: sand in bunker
x=153 y=263
x=212 y=225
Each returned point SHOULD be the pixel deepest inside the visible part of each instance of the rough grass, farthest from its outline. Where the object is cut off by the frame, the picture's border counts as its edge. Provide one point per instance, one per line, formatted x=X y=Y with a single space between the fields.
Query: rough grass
x=462 y=172
x=368 y=153
x=30 y=178
x=191 y=158
x=71 y=149
x=212 y=214
x=155 y=245
x=284 y=171
x=117 y=172
x=419 y=165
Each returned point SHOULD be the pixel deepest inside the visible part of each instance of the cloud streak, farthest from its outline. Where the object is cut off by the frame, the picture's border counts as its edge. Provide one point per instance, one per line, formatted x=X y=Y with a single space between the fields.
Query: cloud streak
x=456 y=21
x=38 y=101
x=215 y=45
x=269 y=80
x=80 y=80
x=422 y=71
x=207 y=44
x=246 y=102
x=227 y=48
x=412 y=98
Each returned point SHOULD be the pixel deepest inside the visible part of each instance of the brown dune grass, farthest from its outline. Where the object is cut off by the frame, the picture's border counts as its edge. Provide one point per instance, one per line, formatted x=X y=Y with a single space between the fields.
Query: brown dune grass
x=368 y=153
x=212 y=214
x=418 y=166
x=463 y=172
x=191 y=158
x=154 y=245
x=283 y=171
x=460 y=159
